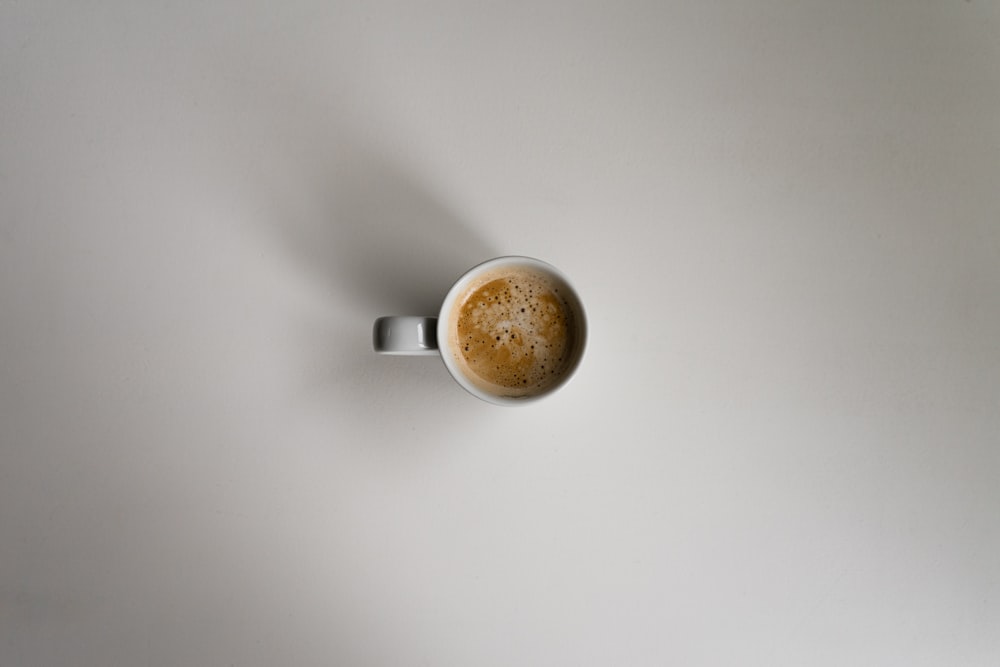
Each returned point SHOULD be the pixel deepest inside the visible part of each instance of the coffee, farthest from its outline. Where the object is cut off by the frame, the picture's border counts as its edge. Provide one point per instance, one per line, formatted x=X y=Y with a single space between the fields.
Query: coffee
x=514 y=331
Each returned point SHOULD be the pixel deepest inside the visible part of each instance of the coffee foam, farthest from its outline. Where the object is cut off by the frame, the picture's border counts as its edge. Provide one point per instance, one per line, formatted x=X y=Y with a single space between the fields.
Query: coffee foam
x=512 y=332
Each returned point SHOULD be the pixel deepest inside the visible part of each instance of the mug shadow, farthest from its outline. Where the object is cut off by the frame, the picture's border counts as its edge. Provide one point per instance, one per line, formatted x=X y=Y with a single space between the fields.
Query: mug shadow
x=378 y=242
x=385 y=241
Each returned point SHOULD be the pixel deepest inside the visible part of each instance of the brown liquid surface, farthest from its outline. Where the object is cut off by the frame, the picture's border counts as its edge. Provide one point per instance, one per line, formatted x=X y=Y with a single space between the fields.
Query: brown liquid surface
x=515 y=332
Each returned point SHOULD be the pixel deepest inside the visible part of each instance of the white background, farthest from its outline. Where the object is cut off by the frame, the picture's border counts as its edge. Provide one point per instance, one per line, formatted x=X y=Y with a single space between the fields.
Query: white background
x=782 y=448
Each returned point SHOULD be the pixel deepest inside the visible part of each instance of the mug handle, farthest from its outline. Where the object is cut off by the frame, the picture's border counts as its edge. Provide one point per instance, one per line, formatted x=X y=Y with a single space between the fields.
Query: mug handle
x=405 y=335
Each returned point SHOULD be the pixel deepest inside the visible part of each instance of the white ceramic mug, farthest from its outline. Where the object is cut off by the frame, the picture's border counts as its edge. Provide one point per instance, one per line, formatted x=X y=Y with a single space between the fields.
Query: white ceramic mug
x=410 y=335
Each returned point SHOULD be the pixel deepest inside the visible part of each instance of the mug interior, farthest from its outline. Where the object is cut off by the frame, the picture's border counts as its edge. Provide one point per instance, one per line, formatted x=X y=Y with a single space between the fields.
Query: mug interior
x=447 y=322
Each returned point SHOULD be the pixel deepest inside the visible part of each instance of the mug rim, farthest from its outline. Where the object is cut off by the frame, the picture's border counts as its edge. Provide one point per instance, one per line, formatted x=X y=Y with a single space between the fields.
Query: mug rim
x=449 y=303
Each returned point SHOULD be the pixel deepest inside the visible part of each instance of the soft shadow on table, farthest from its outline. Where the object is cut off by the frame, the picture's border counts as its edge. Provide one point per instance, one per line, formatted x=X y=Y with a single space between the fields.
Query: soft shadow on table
x=374 y=240
x=382 y=240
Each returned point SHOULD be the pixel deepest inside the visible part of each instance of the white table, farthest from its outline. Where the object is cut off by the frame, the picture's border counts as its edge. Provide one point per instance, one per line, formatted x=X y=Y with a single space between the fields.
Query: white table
x=782 y=448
